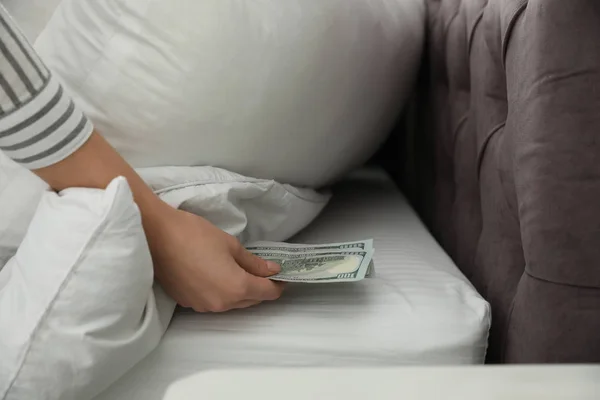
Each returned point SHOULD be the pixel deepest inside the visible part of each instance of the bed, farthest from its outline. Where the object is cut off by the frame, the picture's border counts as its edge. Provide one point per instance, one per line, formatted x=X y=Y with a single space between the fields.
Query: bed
x=487 y=208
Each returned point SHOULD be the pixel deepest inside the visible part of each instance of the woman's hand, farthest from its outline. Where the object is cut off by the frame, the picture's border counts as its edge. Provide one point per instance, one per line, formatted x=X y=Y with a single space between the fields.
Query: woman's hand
x=198 y=264
x=204 y=268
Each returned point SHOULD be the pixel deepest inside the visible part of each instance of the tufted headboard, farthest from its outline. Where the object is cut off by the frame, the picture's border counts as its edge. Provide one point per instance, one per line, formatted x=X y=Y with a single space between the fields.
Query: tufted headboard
x=501 y=157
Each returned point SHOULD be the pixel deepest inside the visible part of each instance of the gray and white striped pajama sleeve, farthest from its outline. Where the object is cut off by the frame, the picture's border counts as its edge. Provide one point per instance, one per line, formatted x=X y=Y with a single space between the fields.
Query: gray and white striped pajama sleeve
x=39 y=123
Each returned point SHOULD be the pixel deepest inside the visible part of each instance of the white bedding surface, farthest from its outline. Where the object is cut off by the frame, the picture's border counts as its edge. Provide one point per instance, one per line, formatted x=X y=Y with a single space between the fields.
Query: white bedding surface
x=418 y=309
x=32 y=15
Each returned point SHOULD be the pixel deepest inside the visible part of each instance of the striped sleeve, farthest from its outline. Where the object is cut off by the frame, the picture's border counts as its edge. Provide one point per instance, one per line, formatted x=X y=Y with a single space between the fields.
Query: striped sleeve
x=39 y=123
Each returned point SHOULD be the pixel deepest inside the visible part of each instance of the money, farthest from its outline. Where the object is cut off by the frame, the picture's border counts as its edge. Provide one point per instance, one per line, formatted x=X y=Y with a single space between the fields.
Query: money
x=318 y=263
x=309 y=248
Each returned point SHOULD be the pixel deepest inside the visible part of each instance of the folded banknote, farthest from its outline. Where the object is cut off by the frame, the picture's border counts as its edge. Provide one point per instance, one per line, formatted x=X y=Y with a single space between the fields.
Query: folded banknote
x=318 y=263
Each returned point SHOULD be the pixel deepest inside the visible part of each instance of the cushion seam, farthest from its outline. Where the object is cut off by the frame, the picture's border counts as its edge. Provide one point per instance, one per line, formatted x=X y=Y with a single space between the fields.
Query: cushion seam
x=484 y=145
x=474 y=29
x=458 y=129
x=93 y=237
x=511 y=24
x=545 y=280
x=445 y=29
x=185 y=185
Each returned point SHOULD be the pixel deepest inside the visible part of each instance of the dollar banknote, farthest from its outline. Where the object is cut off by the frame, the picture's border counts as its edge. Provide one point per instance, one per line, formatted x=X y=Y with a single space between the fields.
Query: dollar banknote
x=327 y=263
x=309 y=248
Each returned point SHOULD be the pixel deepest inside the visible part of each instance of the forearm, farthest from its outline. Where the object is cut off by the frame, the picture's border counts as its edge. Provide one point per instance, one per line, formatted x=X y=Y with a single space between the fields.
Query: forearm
x=94 y=165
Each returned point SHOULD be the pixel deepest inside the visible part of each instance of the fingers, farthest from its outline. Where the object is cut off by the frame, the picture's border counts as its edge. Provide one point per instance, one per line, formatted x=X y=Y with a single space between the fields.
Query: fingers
x=240 y=290
x=247 y=304
x=263 y=289
x=240 y=305
x=256 y=292
x=254 y=264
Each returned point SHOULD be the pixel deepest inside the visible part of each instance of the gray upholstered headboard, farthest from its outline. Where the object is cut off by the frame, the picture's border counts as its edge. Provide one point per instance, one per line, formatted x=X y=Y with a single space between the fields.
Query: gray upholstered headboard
x=504 y=166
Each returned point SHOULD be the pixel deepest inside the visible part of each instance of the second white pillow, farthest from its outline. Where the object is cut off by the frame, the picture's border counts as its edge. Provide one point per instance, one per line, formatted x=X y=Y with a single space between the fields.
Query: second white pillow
x=250 y=209
x=77 y=304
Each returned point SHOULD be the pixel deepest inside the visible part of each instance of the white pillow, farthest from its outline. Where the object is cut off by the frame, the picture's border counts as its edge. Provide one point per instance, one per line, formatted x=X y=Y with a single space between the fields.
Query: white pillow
x=250 y=209
x=297 y=91
x=77 y=306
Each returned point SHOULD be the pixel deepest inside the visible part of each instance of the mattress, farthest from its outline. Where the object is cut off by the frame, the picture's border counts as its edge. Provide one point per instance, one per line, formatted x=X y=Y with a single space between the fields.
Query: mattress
x=417 y=308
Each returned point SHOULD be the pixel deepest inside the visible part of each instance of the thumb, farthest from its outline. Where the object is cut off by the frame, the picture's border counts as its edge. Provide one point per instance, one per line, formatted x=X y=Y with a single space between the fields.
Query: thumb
x=255 y=265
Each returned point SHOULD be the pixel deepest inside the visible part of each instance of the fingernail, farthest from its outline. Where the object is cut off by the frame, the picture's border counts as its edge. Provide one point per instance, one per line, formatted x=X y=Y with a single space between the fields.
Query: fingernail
x=273 y=267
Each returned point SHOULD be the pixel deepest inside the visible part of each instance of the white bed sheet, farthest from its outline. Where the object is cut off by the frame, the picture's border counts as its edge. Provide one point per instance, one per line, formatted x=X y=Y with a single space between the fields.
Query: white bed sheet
x=418 y=309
